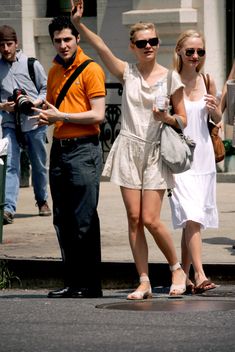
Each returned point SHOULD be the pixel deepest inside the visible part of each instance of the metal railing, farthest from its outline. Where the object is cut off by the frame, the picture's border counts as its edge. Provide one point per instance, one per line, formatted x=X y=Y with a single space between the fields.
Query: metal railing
x=110 y=128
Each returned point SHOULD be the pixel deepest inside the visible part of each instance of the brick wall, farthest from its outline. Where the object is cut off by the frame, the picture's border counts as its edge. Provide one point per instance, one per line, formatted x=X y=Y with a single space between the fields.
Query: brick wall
x=11 y=15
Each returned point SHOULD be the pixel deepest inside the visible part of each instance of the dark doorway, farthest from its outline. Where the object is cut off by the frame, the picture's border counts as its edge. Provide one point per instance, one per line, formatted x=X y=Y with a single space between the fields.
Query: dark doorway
x=230 y=34
x=63 y=8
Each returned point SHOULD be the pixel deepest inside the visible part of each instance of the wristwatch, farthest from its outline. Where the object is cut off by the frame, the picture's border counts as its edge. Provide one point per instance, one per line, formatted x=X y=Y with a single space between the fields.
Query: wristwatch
x=66 y=118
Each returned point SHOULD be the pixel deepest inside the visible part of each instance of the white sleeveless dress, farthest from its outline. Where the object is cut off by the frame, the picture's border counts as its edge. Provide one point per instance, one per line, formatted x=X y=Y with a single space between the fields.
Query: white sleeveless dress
x=194 y=195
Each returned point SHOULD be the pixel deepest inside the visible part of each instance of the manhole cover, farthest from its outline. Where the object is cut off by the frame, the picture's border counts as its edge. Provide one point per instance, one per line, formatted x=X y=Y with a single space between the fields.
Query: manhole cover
x=172 y=306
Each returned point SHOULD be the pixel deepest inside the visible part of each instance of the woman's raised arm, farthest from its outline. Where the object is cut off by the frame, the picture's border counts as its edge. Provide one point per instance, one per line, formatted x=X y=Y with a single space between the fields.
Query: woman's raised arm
x=113 y=64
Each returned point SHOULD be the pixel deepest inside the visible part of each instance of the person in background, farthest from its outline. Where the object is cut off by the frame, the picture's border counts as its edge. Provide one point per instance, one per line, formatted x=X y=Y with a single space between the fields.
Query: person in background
x=15 y=111
x=223 y=103
x=224 y=91
x=193 y=201
x=134 y=161
x=75 y=160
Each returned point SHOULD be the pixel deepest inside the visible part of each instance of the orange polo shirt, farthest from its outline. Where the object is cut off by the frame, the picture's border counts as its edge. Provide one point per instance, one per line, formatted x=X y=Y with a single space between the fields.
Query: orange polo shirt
x=89 y=84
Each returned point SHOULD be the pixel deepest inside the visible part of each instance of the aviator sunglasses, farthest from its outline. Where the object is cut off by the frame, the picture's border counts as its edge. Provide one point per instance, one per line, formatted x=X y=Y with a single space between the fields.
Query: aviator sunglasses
x=191 y=51
x=142 y=43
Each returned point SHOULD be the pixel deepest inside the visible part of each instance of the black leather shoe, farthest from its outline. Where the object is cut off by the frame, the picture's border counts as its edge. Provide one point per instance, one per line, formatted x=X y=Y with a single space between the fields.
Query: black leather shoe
x=87 y=293
x=60 y=293
x=70 y=292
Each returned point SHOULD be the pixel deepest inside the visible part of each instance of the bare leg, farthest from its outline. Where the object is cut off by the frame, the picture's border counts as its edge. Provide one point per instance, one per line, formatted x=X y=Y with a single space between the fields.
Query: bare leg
x=151 y=208
x=185 y=255
x=194 y=247
x=186 y=262
x=133 y=202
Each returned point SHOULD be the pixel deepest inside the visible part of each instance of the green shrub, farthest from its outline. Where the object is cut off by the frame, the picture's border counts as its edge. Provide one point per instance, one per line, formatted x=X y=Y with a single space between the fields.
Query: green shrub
x=6 y=276
x=229 y=149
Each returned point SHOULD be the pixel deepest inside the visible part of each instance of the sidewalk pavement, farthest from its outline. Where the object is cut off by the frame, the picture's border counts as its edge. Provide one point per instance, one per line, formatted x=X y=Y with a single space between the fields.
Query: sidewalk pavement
x=30 y=244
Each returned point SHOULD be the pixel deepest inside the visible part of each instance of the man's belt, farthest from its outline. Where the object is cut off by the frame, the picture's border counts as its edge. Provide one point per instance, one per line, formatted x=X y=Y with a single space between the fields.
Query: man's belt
x=66 y=142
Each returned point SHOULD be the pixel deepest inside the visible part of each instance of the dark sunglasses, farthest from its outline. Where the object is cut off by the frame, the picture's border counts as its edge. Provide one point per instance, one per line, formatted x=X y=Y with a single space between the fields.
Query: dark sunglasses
x=191 y=51
x=142 y=43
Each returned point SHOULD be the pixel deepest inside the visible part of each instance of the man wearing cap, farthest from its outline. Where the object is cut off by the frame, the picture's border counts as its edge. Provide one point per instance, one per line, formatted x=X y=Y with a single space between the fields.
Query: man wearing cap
x=18 y=93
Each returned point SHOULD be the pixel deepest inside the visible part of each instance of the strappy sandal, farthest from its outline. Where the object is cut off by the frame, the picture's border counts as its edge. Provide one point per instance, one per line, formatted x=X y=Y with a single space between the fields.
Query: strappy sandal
x=140 y=294
x=206 y=285
x=190 y=287
x=178 y=289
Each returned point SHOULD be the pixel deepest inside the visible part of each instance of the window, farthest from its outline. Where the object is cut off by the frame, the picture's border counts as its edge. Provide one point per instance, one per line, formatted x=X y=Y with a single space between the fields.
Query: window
x=64 y=6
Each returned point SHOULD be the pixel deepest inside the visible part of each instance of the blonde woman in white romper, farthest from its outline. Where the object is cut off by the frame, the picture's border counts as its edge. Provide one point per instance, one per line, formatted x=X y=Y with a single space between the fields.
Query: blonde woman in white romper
x=134 y=162
x=193 y=200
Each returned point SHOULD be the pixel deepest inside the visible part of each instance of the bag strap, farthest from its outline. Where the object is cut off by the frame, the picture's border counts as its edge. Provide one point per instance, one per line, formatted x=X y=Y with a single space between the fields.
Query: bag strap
x=178 y=119
x=169 y=82
x=206 y=79
x=31 y=61
x=68 y=83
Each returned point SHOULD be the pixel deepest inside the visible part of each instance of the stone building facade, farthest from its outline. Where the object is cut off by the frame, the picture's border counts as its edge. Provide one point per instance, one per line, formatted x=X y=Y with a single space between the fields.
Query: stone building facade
x=111 y=19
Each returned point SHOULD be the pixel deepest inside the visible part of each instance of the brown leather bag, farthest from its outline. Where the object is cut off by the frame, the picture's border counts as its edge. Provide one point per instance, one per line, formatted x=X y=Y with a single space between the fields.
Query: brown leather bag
x=217 y=142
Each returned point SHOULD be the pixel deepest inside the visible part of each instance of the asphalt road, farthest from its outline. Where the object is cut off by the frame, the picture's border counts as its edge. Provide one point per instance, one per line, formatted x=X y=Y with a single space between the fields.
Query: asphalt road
x=32 y=322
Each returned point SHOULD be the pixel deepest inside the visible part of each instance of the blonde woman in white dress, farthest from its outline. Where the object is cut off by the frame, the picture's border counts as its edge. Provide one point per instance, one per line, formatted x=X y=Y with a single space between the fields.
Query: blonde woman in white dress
x=134 y=161
x=193 y=200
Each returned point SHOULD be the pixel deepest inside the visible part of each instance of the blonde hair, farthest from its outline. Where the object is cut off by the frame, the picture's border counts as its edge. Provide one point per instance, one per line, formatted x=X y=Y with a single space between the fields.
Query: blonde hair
x=177 y=60
x=140 y=26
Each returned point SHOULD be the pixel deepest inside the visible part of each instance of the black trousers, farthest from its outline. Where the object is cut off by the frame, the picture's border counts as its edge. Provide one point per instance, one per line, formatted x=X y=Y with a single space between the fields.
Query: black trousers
x=75 y=169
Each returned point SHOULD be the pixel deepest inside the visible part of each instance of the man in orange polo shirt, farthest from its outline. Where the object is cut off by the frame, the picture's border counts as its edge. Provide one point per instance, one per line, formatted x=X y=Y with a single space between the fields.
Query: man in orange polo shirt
x=75 y=161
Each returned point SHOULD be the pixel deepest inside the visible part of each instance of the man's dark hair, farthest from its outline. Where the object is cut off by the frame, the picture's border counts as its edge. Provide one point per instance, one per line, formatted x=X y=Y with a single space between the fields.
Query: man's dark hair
x=59 y=23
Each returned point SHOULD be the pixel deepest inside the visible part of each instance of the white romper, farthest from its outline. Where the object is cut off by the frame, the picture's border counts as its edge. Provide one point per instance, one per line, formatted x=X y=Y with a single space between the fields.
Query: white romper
x=134 y=160
x=194 y=195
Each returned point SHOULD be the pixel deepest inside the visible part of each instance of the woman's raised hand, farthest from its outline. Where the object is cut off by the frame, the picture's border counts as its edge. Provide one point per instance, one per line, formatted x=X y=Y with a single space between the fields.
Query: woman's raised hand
x=76 y=10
